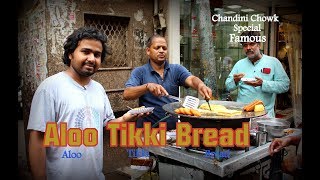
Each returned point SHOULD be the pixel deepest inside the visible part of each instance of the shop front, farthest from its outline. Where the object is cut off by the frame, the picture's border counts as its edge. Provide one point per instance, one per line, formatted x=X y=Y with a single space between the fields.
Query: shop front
x=214 y=42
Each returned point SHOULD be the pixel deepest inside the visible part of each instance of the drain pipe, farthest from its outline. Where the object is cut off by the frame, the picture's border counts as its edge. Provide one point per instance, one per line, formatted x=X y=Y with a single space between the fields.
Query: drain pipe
x=155 y=7
x=155 y=13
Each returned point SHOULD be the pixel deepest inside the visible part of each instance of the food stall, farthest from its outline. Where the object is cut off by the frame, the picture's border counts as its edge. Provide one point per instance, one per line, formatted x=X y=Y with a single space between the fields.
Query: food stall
x=177 y=162
x=171 y=158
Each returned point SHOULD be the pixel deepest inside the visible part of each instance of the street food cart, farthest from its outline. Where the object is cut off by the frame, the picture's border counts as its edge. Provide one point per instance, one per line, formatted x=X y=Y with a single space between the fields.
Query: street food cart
x=176 y=162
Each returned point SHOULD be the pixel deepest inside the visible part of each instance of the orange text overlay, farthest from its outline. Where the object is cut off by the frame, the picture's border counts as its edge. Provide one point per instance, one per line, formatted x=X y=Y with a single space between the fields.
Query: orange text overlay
x=130 y=136
x=71 y=136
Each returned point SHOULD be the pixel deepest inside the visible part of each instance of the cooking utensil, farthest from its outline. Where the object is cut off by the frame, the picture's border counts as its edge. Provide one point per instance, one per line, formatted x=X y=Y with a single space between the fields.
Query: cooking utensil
x=140 y=110
x=170 y=107
x=188 y=102
x=215 y=121
x=261 y=138
x=208 y=104
x=191 y=102
x=274 y=127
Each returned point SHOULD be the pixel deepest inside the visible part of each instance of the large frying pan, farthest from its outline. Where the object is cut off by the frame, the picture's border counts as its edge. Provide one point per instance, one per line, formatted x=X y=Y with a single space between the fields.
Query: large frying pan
x=215 y=121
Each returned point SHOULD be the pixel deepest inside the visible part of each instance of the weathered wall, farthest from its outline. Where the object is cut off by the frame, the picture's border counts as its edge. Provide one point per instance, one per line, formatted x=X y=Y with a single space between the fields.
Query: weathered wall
x=32 y=55
x=43 y=27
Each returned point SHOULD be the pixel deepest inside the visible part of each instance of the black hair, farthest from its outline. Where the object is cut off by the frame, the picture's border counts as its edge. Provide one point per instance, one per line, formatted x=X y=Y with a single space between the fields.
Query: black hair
x=149 y=42
x=83 y=33
x=250 y=33
x=246 y=35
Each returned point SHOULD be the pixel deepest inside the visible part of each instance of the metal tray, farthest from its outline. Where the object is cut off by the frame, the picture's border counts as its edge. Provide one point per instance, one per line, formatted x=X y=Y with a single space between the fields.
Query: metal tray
x=215 y=121
x=228 y=104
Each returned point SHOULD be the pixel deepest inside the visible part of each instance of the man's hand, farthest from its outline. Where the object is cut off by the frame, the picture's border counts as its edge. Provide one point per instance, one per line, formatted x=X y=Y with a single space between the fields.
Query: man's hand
x=278 y=143
x=133 y=117
x=237 y=77
x=157 y=89
x=205 y=92
x=257 y=82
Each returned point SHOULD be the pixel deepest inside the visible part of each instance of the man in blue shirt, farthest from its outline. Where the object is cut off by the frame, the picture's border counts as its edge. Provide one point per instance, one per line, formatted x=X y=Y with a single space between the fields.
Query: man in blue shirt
x=268 y=75
x=156 y=79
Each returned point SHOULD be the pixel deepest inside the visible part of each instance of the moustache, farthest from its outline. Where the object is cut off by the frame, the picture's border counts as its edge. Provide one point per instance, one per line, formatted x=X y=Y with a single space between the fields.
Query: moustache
x=89 y=63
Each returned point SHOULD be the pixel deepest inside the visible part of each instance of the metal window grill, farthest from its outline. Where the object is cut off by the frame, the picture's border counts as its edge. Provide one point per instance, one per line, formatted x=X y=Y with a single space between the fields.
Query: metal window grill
x=116 y=30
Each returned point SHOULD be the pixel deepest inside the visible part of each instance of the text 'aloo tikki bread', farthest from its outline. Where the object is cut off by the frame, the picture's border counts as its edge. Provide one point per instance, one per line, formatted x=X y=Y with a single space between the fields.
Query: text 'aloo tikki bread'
x=250 y=107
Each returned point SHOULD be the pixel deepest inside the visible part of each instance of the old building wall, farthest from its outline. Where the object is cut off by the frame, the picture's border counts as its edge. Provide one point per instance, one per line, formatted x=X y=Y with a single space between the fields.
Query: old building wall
x=32 y=55
x=43 y=27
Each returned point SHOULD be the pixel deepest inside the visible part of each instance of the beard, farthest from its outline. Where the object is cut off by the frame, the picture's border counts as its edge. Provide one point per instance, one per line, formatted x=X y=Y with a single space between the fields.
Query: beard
x=87 y=73
x=84 y=71
x=251 y=54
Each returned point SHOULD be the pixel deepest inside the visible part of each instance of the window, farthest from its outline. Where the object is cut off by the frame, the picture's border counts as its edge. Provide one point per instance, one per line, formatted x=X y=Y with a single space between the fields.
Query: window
x=116 y=30
x=225 y=51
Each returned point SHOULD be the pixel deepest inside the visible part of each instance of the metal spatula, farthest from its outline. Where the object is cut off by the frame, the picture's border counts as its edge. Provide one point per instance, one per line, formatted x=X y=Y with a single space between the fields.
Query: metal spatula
x=191 y=102
x=188 y=102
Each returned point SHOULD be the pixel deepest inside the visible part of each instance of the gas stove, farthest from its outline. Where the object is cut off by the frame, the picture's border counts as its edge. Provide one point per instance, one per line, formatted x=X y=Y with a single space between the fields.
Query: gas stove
x=218 y=153
x=233 y=159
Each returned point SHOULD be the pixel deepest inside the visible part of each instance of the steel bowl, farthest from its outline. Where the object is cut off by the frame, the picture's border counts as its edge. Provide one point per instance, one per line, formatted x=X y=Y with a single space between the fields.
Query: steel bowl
x=274 y=127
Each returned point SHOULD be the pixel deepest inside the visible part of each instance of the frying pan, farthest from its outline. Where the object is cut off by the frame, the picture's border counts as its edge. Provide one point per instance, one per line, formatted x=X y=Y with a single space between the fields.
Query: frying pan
x=215 y=121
